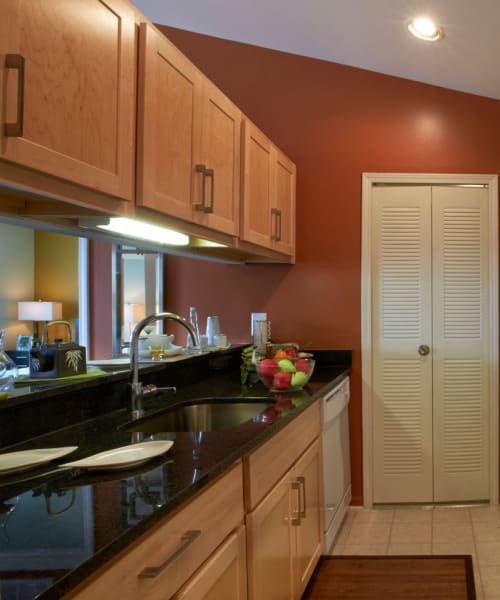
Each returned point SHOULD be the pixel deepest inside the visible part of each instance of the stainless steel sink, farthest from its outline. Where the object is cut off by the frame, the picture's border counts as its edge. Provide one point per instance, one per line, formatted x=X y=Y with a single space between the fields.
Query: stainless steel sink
x=208 y=414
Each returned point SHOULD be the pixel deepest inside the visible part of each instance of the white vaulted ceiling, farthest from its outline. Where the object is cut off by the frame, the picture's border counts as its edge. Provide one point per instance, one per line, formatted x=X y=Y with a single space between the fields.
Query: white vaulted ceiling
x=369 y=34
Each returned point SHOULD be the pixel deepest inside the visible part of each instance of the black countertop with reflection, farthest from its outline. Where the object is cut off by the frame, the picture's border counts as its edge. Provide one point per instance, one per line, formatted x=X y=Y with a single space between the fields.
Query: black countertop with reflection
x=57 y=526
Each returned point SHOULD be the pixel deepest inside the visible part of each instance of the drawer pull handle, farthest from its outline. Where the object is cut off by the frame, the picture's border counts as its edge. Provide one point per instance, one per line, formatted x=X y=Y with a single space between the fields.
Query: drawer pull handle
x=302 y=497
x=210 y=173
x=276 y=236
x=296 y=517
x=186 y=540
x=16 y=61
x=203 y=170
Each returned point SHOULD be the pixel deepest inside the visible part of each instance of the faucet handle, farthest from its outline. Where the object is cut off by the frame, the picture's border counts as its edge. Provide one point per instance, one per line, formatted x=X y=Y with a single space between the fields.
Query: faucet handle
x=151 y=388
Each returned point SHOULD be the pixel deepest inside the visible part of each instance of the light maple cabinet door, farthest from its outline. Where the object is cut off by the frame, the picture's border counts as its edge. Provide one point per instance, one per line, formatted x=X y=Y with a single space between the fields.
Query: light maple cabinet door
x=270 y=546
x=257 y=186
x=68 y=91
x=268 y=193
x=188 y=139
x=168 y=126
x=223 y=577
x=219 y=157
x=309 y=540
x=283 y=209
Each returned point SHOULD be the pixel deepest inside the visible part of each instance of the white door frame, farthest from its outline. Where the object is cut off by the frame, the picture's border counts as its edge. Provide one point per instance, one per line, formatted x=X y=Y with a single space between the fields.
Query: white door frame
x=369 y=179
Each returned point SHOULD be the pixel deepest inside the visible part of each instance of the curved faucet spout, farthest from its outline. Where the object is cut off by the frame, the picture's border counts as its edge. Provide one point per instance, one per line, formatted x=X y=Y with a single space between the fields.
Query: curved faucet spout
x=137 y=394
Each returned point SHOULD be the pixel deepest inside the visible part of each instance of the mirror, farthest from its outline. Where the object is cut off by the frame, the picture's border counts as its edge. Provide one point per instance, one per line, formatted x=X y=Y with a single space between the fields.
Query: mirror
x=55 y=267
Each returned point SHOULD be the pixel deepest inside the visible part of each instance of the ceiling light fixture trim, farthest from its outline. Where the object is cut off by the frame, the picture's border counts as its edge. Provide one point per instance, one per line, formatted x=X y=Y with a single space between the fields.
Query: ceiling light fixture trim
x=424 y=28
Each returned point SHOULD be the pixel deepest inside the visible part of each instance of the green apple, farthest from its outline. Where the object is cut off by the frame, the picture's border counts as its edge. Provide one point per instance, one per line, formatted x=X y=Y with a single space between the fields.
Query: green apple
x=299 y=378
x=286 y=365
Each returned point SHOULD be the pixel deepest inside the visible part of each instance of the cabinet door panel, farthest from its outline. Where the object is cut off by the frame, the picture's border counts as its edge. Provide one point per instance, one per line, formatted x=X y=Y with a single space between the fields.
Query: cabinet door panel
x=223 y=577
x=220 y=152
x=79 y=91
x=269 y=531
x=284 y=201
x=309 y=535
x=169 y=88
x=257 y=187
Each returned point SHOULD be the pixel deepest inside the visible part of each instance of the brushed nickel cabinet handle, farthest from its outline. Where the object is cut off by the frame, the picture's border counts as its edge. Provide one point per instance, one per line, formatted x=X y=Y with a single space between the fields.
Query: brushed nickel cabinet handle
x=16 y=61
x=302 y=497
x=210 y=173
x=296 y=519
x=276 y=235
x=203 y=170
x=186 y=540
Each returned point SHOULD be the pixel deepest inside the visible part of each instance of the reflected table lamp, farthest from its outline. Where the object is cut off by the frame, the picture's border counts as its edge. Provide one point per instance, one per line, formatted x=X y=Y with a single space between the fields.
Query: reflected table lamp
x=37 y=311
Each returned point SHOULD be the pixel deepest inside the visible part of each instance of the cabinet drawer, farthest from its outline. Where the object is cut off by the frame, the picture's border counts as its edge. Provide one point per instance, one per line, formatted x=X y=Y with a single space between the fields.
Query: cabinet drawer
x=223 y=576
x=268 y=463
x=182 y=542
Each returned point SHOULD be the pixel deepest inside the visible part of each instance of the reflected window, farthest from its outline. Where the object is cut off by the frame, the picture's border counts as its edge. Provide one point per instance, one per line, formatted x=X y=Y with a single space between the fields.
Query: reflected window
x=138 y=291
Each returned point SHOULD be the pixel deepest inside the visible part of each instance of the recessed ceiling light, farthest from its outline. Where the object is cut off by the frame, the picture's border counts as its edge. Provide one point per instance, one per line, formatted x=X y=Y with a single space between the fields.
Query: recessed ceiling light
x=426 y=29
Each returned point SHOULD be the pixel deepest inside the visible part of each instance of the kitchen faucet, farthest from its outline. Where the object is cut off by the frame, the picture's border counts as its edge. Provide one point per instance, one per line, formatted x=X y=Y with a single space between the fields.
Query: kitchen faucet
x=138 y=392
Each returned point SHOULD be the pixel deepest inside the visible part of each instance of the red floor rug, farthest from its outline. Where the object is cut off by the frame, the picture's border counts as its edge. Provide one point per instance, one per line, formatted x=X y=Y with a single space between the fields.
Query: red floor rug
x=391 y=578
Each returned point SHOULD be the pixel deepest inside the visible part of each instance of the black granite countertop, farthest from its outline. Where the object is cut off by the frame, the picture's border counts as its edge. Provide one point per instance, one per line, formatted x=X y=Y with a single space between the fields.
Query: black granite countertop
x=58 y=525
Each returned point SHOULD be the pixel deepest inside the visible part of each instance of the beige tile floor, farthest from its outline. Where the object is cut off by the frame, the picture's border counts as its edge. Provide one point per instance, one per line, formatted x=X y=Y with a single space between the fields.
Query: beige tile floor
x=429 y=530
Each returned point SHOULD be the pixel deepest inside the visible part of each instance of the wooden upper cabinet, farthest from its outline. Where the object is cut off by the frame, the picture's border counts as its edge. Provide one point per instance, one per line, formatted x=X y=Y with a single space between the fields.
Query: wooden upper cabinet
x=283 y=207
x=68 y=91
x=257 y=186
x=220 y=156
x=188 y=139
x=268 y=202
x=168 y=125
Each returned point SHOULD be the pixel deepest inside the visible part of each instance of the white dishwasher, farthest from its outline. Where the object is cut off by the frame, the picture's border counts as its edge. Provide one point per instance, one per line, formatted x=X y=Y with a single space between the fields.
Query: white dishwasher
x=336 y=459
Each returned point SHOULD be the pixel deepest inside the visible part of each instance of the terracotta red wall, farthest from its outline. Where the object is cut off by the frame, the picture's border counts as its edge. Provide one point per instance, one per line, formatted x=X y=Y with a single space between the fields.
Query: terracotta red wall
x=335 y=122
x=100 y=300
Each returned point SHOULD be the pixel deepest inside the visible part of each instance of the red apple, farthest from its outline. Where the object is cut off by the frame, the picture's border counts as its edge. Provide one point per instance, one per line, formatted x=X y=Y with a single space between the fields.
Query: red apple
x=281 y=380
x=291 y=353
x=303 y=365
x=267 y=367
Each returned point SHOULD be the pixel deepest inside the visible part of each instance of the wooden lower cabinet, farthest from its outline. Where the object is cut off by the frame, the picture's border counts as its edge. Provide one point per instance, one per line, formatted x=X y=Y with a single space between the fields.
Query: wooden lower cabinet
x=158 y=565
x=284 y=533
x=205 y=552
x=222 y=577
x=309 y=537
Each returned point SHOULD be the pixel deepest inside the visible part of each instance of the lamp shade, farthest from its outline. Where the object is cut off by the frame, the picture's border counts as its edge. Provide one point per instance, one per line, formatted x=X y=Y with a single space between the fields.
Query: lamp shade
x=39 y=311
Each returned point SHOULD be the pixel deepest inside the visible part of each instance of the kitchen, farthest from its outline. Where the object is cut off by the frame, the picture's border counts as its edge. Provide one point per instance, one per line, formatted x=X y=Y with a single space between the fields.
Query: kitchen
x=336 y=122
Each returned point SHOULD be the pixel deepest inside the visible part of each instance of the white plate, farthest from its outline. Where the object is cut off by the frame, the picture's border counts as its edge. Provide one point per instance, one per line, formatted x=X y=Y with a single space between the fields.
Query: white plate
x=122 y=458
x=11 y=462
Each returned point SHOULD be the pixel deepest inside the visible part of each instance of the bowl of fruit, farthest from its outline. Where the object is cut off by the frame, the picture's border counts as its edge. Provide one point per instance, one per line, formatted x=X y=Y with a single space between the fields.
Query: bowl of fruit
x=282 y=367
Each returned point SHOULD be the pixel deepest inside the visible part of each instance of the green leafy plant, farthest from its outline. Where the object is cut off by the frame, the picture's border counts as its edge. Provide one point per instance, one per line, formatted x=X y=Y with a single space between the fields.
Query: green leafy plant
x=247 y=365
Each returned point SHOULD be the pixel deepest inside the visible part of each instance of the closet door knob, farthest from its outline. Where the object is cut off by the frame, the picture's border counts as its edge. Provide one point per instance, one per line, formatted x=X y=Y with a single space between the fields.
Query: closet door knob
x=423 y=350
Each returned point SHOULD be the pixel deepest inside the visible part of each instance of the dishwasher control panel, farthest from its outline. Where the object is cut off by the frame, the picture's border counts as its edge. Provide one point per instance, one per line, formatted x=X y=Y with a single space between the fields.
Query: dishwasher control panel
x=335 y=400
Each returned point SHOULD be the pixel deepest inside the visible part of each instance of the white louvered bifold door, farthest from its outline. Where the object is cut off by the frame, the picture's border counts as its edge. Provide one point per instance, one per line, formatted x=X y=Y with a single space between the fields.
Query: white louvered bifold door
x=460 y=345
x=430 y=282
x=401 y=318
